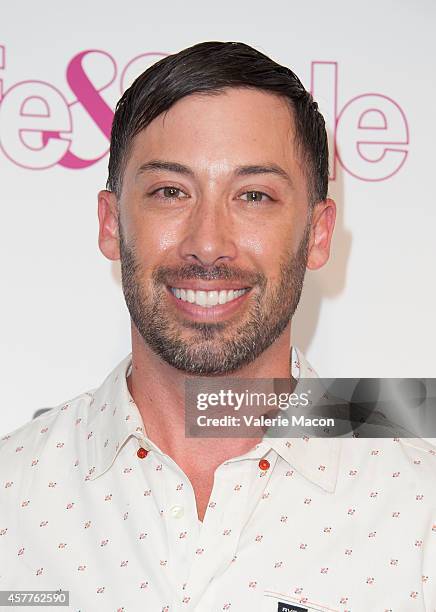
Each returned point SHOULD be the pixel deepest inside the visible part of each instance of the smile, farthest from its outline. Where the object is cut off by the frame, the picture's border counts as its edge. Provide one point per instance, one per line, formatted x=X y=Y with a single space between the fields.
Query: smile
x=207 y=299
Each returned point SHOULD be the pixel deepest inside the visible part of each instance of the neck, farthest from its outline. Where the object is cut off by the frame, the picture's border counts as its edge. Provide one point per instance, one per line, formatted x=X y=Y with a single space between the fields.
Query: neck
x=158 y=390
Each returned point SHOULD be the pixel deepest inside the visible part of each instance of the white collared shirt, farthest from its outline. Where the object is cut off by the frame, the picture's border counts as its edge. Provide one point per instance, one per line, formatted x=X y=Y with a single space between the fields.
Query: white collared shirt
x=345 y=525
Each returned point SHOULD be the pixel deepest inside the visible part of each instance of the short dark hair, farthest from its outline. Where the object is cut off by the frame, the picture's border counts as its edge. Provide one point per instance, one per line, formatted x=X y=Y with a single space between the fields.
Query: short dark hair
x=211 y=67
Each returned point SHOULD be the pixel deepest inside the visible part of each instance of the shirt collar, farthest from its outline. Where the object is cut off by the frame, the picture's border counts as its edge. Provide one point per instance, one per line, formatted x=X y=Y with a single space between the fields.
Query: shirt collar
x=317 y=459
x=114 y=418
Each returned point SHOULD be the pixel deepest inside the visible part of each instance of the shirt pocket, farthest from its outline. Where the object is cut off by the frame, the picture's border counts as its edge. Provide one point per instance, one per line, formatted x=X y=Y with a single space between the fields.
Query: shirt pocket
x=279 y=602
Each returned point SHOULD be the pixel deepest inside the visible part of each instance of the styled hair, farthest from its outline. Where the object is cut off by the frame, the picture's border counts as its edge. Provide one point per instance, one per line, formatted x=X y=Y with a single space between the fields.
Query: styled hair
x=210 y=68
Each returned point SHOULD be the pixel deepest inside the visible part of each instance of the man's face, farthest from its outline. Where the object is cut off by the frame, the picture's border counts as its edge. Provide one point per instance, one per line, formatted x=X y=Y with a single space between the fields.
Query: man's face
x=214 y=229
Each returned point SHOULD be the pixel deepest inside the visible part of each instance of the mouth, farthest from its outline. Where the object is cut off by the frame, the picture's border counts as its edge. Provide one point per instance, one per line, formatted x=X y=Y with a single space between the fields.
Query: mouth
x=207 y=299
x=214 y=304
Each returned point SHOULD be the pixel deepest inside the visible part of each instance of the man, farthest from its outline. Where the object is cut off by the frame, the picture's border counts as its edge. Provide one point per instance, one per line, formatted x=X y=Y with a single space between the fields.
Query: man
x=216 y=204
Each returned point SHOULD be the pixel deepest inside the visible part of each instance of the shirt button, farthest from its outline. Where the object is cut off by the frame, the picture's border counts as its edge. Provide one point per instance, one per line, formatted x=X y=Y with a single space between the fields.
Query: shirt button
x=141 y=452
x=177 y=512
x=264 y=464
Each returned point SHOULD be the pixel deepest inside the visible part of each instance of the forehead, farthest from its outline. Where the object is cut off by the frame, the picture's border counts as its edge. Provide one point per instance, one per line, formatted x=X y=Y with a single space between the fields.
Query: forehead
x=215 y=132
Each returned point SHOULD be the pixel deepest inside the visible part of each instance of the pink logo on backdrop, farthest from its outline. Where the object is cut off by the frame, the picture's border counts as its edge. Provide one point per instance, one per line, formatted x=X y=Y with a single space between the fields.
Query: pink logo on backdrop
x=42 y=126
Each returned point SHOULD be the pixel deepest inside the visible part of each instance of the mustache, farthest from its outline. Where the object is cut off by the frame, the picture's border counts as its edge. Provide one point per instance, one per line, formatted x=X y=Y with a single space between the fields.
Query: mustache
x=170 y=275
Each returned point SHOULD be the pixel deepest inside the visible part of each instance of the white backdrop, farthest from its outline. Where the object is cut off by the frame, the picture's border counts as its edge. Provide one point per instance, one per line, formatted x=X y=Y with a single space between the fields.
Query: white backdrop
x=369 y=312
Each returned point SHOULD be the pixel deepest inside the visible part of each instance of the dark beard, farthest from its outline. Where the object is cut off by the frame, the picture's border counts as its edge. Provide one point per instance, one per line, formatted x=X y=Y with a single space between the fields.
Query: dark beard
x=212 y=349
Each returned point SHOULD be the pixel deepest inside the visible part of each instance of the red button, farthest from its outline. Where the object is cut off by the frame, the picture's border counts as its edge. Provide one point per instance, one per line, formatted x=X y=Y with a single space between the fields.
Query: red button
x=264 y=464
x=141 y=452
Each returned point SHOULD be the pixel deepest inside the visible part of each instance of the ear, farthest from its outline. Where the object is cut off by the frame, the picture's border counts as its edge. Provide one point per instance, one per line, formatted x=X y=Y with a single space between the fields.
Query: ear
x=108 y=239
x=323 y=223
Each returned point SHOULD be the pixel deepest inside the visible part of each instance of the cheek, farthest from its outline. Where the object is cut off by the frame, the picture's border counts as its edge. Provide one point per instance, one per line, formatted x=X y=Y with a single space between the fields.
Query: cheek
x=269 y=243
x=154 y=239
x=253 y=244
x=165 y=240
x=263 y=252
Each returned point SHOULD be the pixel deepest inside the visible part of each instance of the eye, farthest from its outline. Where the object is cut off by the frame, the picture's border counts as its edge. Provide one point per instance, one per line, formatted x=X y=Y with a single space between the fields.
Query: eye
x=169 y=193
x=255 y=196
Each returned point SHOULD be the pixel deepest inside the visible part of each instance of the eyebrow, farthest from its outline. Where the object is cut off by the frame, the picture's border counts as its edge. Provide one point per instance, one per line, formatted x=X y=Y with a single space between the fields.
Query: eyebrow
x=268 y=169
x=169 y=166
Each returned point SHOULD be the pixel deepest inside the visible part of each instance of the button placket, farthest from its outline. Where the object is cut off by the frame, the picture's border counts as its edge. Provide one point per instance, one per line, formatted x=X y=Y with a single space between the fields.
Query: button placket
x=221 y=529
x=253 y=481
x=181 y=522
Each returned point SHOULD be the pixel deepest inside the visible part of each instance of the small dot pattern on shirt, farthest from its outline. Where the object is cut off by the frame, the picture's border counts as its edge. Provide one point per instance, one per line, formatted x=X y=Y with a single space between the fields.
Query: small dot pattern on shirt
x=327 y=524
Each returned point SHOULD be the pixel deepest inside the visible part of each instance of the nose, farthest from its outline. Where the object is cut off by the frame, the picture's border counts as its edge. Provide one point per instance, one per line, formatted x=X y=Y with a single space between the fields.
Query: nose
x=209 y=235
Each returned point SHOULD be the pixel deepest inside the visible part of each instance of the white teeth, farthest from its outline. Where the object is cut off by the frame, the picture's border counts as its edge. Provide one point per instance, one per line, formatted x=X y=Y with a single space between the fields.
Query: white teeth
x=212 y=298
x=222 y=297
x=207 y=299
x=201 y=298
